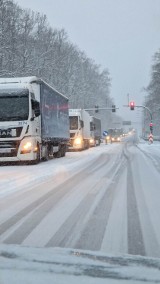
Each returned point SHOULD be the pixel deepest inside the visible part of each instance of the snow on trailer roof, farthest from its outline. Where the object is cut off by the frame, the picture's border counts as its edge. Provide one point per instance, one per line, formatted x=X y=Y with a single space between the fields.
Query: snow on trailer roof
x=18 y=80
x=27 y=80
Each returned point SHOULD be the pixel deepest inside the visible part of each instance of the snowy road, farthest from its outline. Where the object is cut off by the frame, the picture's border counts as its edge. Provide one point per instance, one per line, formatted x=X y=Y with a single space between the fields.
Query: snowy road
x=103 y=199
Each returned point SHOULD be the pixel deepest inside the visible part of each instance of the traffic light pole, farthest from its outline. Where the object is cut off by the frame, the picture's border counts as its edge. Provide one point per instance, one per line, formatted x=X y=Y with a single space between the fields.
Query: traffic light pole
x=151 y=118
x=142 y=107
x=100 y=108
x=151 y=123
x=148 y=111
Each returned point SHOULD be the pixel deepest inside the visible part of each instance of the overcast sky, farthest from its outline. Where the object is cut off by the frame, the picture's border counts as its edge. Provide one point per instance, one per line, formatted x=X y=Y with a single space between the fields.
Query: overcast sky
x=120 y=35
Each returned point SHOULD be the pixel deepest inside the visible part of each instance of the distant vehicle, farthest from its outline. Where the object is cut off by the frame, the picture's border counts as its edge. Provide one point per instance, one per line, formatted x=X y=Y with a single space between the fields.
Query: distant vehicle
x=79 y=129
x=34 y=120
x=95 y=131
x=114 y=135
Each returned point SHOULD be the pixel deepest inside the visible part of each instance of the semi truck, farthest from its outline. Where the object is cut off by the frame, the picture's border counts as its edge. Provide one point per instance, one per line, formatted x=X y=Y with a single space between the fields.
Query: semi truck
x=95 y=131
x=79 y=129
x=34 y=120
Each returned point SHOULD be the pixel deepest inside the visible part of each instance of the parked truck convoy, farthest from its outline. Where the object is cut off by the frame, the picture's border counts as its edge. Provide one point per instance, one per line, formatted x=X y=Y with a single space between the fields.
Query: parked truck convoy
x=95 y=131
x=34 y=120
x=79 y=129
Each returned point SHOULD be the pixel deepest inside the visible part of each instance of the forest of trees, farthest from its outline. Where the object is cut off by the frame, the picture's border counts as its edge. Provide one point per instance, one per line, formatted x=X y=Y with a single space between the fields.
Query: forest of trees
x=30 y=46
x=152 y=99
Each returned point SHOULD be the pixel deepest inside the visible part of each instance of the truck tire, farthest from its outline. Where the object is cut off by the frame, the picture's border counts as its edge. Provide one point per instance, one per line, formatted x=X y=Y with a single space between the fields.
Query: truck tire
x=63 y=151
x=38 y=154
x=87 y=144
x=37 y=160
x=58 y=154
x=46 y=158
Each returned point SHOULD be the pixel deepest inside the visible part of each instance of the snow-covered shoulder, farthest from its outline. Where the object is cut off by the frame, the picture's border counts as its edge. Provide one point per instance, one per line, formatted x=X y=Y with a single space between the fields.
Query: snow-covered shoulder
x=55 y=265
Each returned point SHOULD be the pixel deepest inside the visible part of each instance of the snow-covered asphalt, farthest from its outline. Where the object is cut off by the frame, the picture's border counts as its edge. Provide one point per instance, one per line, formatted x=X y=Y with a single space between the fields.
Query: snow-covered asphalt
x=103 y=199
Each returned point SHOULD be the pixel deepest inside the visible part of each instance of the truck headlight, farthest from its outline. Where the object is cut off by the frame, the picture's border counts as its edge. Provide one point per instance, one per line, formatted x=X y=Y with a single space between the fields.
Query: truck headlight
x=91 y=140
x=78 y=141
x=26 y=146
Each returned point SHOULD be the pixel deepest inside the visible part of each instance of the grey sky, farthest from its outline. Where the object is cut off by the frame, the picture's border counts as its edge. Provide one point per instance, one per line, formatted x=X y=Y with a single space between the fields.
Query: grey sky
x=120 y=35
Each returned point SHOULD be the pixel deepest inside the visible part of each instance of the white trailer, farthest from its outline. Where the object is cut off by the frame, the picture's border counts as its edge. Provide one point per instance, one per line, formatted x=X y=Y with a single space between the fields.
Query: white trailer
x=79 y=129
x=34 y=120
x=95 y=131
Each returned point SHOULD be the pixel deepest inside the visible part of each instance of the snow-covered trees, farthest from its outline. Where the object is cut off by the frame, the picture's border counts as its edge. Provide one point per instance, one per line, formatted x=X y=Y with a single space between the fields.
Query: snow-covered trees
x=154 y=86
x=29 y=46
x=152 y=100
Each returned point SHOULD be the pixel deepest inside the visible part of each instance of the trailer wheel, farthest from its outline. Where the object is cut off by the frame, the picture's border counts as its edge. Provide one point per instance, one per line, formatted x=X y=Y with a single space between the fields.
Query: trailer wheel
x=64 y=149
x=46 y=157
x=58 y=154
x=61 y=152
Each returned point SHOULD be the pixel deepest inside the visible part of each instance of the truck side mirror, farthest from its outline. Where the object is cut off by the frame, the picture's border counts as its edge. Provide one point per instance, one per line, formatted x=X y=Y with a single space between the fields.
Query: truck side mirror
x=37 y=112
x=36 y=107
x=92 y=126
x=81 y=123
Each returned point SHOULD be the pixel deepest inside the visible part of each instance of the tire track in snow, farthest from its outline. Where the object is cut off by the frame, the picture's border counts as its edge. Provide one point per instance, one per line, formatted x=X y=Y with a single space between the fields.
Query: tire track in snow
x=155 y=160
x=135 y=237
x=57 y=192
x=37 y=210
x=89 y=239
x=86 y=227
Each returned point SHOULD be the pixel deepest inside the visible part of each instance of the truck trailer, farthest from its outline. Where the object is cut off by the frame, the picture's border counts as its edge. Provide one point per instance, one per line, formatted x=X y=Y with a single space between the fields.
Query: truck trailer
x=34 y=120
x=79 y=129
x=95 y=131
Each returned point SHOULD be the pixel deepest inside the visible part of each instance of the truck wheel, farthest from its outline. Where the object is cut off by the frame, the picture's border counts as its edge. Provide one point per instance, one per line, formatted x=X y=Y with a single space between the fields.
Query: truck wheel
x=38 y=154
x=46 y=157
x=37 y=160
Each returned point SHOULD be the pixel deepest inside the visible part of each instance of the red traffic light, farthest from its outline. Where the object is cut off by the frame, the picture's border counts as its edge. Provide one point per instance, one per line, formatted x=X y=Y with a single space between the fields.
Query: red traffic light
x=132 y=105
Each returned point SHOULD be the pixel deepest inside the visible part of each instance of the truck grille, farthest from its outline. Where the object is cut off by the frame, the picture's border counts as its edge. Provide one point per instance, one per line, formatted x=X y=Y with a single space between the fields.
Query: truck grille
x=10 y=132
x=9 y=148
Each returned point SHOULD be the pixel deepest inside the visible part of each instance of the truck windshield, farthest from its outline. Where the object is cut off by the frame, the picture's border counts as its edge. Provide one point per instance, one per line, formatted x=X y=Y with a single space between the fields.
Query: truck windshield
x=14 y=104
x=73 y=122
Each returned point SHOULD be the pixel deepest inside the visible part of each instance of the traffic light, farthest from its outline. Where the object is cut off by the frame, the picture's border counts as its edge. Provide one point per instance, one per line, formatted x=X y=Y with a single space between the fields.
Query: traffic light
x=132 y=105
x=151 y=127
x=113 y=108
x=96 y=108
